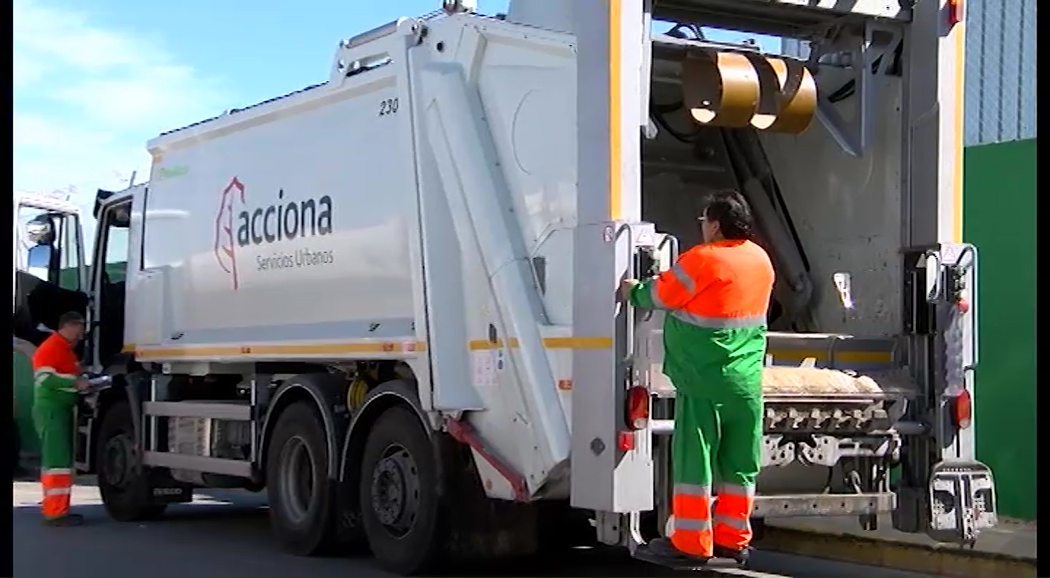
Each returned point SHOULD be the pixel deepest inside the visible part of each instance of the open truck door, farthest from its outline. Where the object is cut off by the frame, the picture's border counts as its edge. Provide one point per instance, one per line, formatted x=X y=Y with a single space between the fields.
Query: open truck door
x=48 y=280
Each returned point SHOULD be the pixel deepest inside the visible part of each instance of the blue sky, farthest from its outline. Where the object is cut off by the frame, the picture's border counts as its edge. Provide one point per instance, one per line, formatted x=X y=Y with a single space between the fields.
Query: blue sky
x=95 y=80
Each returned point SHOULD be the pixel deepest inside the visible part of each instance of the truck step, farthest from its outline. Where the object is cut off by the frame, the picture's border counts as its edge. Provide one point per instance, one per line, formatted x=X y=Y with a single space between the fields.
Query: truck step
x=713 y=567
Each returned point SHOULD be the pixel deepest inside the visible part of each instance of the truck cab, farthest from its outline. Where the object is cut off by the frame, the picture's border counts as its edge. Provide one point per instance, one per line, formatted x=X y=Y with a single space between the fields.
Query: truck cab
x=53 y=275
x=48 y=278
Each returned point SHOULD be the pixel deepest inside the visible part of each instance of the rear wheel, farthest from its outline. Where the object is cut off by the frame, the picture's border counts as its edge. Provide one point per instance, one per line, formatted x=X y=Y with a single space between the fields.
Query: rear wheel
x=399 y=501
x=122 y=480
x=302 y=505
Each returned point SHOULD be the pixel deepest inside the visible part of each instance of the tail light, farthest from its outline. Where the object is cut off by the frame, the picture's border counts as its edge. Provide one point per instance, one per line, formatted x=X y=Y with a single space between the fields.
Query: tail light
x=962 y=409
x=638 y=408
x=955 y=11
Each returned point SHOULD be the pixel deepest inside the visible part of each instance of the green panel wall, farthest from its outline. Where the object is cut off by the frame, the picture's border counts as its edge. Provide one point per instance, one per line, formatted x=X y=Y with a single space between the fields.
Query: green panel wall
x=1000 y=219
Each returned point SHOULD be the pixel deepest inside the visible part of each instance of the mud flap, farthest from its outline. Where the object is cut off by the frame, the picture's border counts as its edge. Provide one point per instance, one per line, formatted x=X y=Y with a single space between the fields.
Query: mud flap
x=166 y=490
x=962 y=501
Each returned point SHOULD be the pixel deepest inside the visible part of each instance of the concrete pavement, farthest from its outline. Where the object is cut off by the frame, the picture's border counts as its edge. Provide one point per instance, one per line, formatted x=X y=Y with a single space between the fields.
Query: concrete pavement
x=1008 y=550
x=226 y=533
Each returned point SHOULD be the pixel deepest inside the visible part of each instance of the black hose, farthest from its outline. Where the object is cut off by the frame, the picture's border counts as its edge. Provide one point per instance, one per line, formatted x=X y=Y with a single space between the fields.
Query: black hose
x=659 y=112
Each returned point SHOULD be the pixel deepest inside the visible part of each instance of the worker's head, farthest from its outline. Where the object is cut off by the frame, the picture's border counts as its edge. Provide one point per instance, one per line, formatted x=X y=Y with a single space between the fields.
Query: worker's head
x=71 y=325
x=727 y=216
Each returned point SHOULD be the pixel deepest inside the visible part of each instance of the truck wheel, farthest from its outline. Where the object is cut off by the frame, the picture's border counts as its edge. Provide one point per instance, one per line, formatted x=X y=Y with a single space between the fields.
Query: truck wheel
x=300 y=496
x=400 y=505
x=122 y=480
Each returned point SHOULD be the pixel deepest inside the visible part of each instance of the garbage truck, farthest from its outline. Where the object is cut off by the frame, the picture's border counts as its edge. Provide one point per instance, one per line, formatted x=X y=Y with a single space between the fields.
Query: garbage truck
x=390 y=300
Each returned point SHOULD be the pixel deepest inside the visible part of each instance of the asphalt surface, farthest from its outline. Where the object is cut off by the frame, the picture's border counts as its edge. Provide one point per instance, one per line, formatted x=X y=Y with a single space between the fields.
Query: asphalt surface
x=226 y=533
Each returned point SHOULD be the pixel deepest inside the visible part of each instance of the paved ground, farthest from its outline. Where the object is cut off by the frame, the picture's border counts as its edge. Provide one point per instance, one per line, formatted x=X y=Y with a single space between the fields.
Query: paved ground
x=227 y=534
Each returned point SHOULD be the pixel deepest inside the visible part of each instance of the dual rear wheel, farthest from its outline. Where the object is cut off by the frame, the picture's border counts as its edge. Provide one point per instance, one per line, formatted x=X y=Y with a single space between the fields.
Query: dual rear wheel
x=397 y=499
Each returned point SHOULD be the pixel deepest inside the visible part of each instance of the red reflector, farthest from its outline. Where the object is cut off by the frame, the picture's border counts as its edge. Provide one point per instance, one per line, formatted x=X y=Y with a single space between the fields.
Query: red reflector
x=963 y=305
x=955 y=11
x=626 y=441
x=637 y=408
x=963 y=409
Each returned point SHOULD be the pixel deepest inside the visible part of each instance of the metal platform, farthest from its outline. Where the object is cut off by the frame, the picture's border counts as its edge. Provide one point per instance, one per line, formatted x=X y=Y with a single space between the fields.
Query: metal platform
x=714 y=567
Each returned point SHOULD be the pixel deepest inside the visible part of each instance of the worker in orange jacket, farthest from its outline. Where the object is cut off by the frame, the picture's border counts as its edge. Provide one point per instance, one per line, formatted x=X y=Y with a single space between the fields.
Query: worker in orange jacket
x=56 y=372
x=715 y=300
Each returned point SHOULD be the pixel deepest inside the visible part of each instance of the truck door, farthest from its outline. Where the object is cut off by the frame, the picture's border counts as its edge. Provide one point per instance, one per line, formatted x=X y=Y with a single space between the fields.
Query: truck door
x=48 y=273
x=48 y=260
x=108 y=281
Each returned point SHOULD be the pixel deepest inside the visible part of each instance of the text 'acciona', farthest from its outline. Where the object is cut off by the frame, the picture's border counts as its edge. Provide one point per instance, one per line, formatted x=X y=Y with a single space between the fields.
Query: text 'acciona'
x=285 y=221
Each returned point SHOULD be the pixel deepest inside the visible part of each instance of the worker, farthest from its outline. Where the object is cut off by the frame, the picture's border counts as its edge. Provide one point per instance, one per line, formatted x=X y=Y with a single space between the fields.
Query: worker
x=56 y=372
x=716 y=299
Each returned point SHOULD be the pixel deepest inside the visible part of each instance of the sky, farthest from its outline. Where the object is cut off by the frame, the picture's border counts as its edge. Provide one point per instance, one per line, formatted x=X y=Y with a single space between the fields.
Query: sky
x=93 y=81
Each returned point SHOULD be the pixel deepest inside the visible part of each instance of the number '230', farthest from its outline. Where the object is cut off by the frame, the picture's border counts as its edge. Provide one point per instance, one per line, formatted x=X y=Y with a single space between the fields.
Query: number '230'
x=387 y=106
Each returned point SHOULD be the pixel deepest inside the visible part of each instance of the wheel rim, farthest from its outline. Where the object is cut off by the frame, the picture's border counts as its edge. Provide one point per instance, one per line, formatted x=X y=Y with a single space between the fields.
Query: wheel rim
x=118 y=460
x=395 y=490
x=297 y=478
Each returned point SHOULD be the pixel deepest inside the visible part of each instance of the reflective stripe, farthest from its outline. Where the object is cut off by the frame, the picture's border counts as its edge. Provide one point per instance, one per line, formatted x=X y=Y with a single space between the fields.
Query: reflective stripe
x=679 y=273
x=692 y=490
x=691 y=524
x=719 y=322
x=51 y=370
x=41 y=375
x=58 y=491
x=736 y=490
x=57 y=472
x=734 y=523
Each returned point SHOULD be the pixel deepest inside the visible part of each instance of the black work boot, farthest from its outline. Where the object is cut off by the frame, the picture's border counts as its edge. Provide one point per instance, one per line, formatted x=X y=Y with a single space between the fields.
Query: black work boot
x=65 y=520
x=741 y=556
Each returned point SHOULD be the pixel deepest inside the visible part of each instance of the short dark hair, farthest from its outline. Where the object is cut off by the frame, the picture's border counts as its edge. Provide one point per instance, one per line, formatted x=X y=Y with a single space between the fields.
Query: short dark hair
x=730 y=210
x=70 y=318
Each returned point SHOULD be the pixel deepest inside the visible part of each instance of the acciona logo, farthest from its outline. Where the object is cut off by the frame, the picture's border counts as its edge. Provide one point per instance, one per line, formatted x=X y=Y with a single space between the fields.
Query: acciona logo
x=239 y=225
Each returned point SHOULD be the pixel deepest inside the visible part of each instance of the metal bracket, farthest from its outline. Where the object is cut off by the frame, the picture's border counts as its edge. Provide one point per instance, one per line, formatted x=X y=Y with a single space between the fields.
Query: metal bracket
x=854 y=136
x=962 y=501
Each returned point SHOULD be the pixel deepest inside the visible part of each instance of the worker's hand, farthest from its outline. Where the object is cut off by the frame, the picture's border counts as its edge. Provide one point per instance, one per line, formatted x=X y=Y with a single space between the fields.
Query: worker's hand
x=625 y=288
x=83 y=384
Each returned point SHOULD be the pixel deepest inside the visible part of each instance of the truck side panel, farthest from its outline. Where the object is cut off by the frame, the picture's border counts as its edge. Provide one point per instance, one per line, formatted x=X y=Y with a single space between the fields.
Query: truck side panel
x=287 y=230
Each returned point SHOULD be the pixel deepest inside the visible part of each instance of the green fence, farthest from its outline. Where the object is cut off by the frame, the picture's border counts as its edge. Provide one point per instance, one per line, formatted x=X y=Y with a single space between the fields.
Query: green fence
x=1000 y=219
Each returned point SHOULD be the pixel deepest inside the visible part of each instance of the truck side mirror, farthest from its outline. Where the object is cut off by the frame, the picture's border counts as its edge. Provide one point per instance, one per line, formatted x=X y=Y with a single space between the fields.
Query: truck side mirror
x=41 y=231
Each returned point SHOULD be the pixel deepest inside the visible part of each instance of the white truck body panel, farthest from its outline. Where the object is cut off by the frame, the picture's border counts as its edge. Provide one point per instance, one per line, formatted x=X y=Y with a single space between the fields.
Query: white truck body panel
x=389 y=212
x=348 y=187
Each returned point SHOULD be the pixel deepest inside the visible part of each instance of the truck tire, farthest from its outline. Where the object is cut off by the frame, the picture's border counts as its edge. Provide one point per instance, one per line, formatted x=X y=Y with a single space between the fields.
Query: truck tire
x=122 y=481
x=302 y=503
x=400 y=505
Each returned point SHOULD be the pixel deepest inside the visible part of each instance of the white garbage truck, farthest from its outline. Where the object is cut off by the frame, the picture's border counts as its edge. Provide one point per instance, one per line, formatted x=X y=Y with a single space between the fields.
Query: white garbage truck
x=390 y=299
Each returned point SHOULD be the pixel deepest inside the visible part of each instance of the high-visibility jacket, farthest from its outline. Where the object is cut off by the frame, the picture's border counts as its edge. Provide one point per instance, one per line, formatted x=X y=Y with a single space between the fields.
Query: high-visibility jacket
x=716 y=298
x=55 y=370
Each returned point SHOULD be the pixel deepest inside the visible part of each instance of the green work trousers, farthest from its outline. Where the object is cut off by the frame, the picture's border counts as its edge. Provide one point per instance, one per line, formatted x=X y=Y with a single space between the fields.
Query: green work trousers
x=716 y=453
x=717 y=442
x=54 y=427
